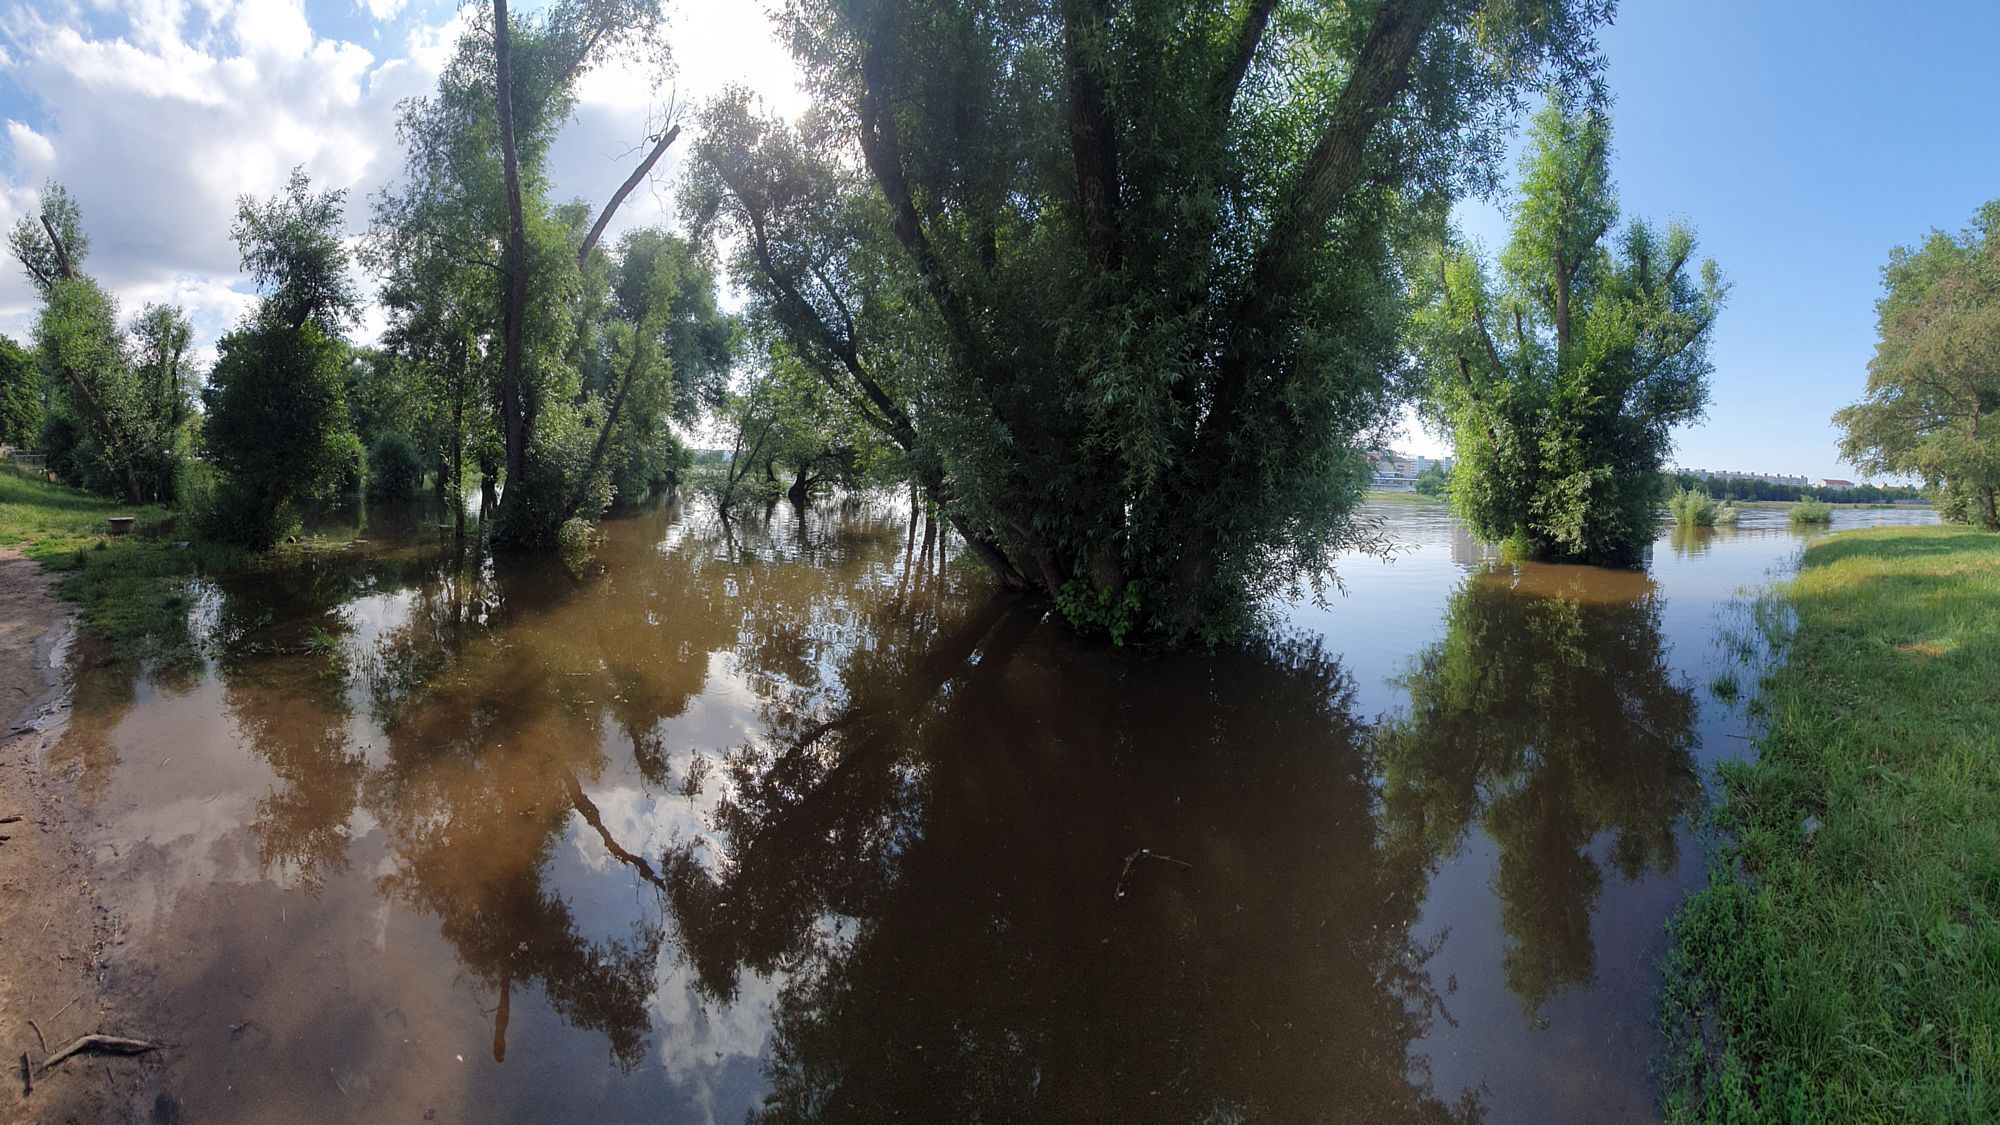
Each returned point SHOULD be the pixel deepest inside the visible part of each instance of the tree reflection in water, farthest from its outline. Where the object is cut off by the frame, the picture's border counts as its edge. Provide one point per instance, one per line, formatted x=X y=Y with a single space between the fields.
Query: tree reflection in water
x=934 y=840
x=1547 y=717
x=937 y=863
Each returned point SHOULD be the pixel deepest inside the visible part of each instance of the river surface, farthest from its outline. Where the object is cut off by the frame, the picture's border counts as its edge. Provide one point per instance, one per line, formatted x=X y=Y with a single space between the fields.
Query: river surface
x=789 y=819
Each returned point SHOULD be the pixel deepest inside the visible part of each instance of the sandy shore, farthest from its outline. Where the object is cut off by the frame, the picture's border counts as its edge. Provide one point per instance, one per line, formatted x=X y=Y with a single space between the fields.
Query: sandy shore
x=54 y=932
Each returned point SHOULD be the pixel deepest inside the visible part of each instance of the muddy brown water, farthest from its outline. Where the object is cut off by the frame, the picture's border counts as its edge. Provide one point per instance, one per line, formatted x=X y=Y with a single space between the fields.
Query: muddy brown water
x=788 y=819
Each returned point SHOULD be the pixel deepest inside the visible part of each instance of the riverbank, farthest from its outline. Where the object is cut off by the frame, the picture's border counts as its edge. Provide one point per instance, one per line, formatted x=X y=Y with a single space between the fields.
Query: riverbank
x=56 y=932
x=1844 y=961
x=130 y=590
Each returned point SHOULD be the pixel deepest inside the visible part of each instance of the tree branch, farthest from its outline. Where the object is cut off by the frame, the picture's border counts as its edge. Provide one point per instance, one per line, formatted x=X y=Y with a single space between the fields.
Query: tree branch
x=63 y=262
x=618 y=197
x=1242 y=51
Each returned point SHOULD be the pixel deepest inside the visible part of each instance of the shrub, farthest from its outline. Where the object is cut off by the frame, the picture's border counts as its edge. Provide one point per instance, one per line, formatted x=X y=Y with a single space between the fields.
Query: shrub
x=1810 y=512
x=1694 y=507
x=395 y=468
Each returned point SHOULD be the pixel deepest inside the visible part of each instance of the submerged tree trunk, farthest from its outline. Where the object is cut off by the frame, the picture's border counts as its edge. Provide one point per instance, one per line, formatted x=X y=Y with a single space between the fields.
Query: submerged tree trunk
x=798 y=492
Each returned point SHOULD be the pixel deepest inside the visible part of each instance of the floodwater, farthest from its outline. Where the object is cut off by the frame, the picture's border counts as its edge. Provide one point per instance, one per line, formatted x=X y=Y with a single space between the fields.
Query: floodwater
x=789 y=819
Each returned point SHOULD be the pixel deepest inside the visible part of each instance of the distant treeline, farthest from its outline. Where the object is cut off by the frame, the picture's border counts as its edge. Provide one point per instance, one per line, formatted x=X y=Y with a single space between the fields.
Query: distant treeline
x=1768 y=490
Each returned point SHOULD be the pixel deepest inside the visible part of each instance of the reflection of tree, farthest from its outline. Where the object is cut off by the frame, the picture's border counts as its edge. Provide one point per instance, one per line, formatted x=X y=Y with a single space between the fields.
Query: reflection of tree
x=1548 y=716
x=477 y=793
x=936 y=860
x=504 y=691
x=1688 y=541
x=278 y=653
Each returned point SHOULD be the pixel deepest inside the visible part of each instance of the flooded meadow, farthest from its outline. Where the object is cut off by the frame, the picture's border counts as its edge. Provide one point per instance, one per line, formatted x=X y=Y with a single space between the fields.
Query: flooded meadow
x=790 y=818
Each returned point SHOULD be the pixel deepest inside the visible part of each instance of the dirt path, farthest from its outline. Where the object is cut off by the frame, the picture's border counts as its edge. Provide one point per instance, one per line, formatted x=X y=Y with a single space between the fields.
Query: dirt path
x=53 y=930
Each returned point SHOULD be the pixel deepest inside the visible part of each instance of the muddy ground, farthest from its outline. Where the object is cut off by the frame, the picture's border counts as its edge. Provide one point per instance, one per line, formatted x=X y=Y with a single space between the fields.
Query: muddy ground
x=55 y=934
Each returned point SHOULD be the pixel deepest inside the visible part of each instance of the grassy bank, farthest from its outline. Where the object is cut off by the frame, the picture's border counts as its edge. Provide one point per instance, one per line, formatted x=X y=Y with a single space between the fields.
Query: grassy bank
x=1843 y=964
x=133 y=589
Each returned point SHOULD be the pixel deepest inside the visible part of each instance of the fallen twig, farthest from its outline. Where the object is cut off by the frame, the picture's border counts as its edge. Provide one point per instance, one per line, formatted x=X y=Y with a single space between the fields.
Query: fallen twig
x=12 y=818
x=99 y=1045
x=38 y=1036
x=27 y=1076
x=1146 y=853
x=66 y=1007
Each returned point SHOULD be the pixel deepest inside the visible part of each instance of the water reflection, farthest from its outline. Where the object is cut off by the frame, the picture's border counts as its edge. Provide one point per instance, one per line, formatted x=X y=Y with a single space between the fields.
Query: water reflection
x=948 y=864
x=1549 y=719
x=781 y=815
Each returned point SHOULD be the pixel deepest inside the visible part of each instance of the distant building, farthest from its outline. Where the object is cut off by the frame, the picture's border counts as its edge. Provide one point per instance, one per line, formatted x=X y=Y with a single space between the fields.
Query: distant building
x=1833 y=482
x=1739 y=474
x=1398 y=472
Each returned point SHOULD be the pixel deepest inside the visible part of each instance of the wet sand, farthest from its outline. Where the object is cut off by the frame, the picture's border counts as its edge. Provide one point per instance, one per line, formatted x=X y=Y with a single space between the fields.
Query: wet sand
x=54 y=931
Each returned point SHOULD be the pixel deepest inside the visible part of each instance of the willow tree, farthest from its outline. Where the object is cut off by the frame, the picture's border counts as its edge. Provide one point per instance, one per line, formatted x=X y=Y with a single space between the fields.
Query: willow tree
x=277 y=408
x=477 y=254
x=1560 y=380
x=1933 y=401
x=1155 y=241
x=104 y=429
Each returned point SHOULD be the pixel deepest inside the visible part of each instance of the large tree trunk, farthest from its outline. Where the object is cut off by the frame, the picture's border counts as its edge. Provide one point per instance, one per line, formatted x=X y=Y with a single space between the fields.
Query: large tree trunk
x=515 y=425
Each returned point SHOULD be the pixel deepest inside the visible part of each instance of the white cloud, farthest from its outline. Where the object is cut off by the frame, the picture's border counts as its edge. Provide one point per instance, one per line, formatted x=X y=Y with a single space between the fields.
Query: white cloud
x=33 y=154
x=159 y=114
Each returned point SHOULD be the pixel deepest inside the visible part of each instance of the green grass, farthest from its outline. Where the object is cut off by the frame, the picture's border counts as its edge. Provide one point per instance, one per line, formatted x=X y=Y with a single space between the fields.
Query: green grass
x=1843 y=962
x=133 y=590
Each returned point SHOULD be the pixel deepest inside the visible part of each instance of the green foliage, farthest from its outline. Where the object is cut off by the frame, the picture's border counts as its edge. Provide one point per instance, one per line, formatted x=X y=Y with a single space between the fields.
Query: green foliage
x=395 y=469
x=612 y=348
x=1811 y=512
x=277 y=423
x=1934 y=384
x=1694 y=507
x=1752 y=489
x=1099 y=611
x=292 y=250
x=1841 y=964
x=1561 y=380
x=1434 y=481
x=113 y=412
x=1119 y=286
x=20 y=396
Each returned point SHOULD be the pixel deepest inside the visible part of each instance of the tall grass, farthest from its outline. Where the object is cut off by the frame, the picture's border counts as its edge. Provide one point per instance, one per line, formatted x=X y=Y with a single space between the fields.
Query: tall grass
x=1807 y=513
x=1843 y=963
x=1694 y=507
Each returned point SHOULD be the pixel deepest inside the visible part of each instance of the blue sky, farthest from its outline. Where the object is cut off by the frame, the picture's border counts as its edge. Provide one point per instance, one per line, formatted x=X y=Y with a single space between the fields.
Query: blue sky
x=1802 y=140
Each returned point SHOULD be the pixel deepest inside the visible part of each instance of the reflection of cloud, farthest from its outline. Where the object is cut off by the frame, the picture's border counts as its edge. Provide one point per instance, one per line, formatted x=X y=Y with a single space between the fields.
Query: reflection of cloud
x=699 y=1040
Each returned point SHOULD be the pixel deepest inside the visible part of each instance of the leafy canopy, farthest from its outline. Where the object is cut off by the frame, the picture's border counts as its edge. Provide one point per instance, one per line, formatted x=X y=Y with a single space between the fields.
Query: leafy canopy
x=1148 y=251
x=277 y=411
x=1561 y=378
x=1932 y=407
